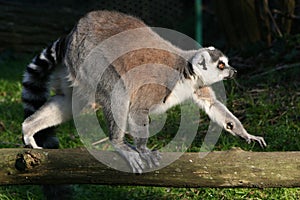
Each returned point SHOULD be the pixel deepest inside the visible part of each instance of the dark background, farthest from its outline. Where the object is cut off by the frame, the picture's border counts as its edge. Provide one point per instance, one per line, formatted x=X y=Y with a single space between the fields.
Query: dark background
x=249 y=31
x=27 y=26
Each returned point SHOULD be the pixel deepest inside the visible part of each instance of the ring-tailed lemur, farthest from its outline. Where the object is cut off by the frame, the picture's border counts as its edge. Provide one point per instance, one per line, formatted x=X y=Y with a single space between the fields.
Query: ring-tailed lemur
x=63 y=61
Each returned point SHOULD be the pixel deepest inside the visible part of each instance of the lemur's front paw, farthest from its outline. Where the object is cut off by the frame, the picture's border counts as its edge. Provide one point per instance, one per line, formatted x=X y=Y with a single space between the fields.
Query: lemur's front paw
x=151 y=157
x=258 y=139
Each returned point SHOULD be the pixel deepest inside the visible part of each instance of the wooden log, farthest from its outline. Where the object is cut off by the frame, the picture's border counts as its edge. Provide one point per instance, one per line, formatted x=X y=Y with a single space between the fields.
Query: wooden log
x=234 y=168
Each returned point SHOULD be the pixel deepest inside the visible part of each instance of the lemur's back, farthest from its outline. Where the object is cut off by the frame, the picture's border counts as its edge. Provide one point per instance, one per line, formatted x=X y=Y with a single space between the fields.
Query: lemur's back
x=93 y=29
x=121 y=42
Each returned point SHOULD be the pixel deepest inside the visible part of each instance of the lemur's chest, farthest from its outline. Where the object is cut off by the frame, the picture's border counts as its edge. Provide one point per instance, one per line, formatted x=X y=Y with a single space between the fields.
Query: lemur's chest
x=182 y=91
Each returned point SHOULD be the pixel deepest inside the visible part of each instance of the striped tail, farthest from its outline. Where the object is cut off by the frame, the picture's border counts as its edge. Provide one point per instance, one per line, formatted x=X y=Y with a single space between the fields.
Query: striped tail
x=36 y=90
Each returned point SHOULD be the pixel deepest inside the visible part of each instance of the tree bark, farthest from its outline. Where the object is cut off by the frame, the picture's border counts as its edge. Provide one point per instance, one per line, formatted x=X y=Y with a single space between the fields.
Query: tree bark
x=287 y=7
x=263 y=18
x=238 y=21
x=234 y=168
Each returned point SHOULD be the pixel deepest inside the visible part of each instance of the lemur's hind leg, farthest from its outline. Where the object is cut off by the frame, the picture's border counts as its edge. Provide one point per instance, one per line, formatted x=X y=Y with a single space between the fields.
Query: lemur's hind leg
x=57 y=110
x=138 y=121
x=117 y=126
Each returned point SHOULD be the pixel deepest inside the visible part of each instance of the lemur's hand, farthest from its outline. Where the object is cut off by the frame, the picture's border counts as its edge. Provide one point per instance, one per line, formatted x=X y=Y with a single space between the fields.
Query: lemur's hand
x=258 y=139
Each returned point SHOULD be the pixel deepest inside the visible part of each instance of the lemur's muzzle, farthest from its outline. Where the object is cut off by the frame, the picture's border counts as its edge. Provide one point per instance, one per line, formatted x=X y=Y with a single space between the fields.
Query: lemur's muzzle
x=232 y=73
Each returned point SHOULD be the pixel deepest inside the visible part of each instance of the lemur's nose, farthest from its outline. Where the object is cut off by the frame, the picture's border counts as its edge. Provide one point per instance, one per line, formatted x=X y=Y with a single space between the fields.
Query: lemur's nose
x=232 y=72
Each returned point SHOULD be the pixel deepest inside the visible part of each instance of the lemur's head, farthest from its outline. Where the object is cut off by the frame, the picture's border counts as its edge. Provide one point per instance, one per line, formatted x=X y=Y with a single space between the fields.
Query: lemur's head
x=212 y=66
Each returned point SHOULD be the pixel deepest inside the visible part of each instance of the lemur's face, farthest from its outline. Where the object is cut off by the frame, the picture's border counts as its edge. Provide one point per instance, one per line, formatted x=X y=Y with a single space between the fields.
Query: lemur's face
x=211 y=65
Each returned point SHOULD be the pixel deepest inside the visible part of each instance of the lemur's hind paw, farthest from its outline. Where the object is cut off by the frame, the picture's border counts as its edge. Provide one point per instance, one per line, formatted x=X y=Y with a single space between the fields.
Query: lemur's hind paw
x=28 y=146
x=30 y=143
x=132 y=157
x=135 y=161
x=151 y=157
x=259 y=140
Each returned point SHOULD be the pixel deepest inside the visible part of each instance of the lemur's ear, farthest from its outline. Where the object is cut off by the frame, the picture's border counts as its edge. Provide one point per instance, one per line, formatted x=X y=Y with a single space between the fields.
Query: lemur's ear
x=200 y=58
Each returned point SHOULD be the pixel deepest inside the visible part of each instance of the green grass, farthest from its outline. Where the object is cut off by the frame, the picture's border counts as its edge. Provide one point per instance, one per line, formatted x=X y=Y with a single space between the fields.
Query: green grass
x=267 y=105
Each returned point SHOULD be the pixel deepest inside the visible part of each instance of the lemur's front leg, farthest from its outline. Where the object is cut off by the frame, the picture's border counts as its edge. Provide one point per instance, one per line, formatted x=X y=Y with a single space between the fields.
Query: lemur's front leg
x=218 y=112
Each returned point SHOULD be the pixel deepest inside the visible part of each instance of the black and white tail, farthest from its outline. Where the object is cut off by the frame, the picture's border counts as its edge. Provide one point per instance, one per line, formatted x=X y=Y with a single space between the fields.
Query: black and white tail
x=36 y=90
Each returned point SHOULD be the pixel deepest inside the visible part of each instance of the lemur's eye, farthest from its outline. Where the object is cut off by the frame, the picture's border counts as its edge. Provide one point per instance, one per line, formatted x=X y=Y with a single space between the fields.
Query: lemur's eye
x=229 y=125
x=221 y=65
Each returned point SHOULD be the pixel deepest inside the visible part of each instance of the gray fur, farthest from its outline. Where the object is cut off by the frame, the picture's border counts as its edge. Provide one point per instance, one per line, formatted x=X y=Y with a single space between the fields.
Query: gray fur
x=215 y=54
